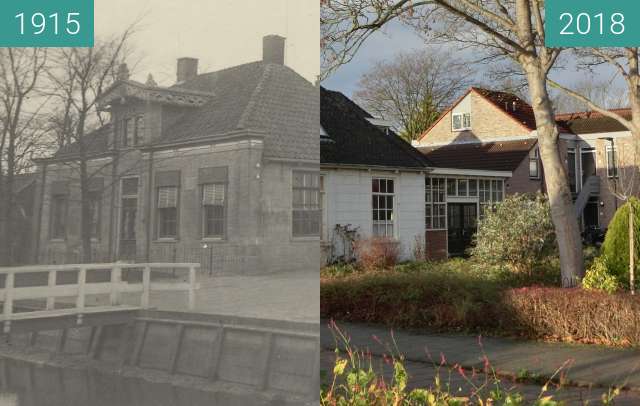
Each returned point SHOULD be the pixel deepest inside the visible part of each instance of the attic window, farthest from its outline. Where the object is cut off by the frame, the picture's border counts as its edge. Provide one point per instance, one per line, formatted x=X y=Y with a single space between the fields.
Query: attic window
x=461 y=121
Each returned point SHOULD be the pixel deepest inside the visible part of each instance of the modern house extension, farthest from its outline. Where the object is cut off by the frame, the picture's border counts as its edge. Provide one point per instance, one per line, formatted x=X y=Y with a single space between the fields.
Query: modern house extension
x=485 y=147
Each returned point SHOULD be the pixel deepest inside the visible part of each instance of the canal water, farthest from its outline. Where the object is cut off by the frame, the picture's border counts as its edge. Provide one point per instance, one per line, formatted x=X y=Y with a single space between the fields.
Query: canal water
x=28 y=384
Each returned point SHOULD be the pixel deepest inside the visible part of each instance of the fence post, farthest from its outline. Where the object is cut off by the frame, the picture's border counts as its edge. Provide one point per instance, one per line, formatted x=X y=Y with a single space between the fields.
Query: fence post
x=8 y=301
x=82 y=279
x=116 y=278
x=146 y=286
x=192 y=287
x=51 y=300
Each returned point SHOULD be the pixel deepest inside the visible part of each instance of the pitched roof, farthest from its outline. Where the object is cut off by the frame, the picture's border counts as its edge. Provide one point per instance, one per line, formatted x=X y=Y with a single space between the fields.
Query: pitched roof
x=511 y=104
x=494 y=156
x=259 y=96
x=352 y=140
x=590 y=122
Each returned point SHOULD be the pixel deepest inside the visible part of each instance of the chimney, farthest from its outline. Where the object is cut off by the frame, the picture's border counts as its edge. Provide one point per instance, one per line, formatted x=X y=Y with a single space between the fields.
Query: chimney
x=187 y=69
x=123 y=72
x=273 y=49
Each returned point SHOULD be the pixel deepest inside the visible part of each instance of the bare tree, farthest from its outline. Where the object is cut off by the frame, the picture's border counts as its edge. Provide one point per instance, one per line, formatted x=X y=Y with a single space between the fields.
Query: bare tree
x=512 y=29
x=603 y=92
x=80 y=76
x=21 y=73
x=413 y=88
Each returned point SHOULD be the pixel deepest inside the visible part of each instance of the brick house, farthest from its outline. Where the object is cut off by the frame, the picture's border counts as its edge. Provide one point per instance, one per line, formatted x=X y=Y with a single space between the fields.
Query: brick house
x=371 y=179
x=485 y=147
x=601 y=157
x=220 y=168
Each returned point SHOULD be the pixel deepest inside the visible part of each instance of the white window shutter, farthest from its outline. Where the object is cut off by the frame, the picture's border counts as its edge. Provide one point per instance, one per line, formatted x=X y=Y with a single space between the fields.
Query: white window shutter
x=213 y=195
x=167 y=197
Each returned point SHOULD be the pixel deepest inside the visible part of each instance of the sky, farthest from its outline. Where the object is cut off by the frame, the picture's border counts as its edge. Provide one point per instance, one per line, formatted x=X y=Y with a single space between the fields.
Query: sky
x=395 y=38
x=220 y=33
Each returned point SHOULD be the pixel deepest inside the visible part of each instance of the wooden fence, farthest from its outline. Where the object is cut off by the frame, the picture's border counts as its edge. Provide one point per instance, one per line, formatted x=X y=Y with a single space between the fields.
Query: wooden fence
x=108 y=281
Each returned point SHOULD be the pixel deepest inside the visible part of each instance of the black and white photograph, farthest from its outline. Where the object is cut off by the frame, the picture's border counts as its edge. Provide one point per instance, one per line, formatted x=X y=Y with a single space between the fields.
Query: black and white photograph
x=160 y=212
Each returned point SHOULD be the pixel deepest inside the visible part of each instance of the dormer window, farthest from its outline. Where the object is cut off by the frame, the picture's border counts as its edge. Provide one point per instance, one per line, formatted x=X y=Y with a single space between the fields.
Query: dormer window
x=461 y=121
x=139 y=136
x=132 y=131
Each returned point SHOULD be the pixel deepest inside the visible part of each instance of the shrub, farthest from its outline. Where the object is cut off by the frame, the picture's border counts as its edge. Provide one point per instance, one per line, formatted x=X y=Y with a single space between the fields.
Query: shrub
x=444 y=300
x=518 y=232
x=616 y=241
x=598 y=277
x=376 y=253
x=572 y=315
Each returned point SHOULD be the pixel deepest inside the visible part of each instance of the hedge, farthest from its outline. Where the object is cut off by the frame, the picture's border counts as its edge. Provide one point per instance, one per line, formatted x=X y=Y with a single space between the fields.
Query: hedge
x=450 y=303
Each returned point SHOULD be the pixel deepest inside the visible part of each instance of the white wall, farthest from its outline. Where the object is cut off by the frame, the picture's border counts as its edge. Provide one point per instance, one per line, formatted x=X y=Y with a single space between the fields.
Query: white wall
x=348 y=201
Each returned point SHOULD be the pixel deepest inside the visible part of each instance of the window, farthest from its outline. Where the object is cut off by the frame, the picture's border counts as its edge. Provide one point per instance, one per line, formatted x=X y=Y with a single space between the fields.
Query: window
x=462 y=187
x=571 y=169
x=306 y=204
x=489 y=193
x=129 y=209
x=168 y=212
x=473 y=187
x=95 y=205
x=58 y=216
x=128 y=132
x=534 y=164
x=461 y=121
x=323 y=209
x=452 y=187
x=214 y=210
x=139 y=131
x=436 y=204
x=382 y=191
x=612 y=164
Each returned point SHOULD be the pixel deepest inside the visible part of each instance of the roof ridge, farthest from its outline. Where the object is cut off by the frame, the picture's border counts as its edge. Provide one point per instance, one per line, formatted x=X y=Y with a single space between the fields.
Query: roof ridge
x=246 y=114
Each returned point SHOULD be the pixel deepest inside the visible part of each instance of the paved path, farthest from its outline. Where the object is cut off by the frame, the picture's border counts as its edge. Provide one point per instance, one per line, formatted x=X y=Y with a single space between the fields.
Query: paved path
x=596 y=365
x=291 y=296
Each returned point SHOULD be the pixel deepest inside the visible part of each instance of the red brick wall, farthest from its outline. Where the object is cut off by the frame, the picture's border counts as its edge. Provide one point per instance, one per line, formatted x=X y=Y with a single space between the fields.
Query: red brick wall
x=436 y=244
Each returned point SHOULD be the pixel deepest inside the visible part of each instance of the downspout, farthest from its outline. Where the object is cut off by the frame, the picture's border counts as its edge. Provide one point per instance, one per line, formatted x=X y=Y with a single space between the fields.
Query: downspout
x=149 y=205
x=36 y=253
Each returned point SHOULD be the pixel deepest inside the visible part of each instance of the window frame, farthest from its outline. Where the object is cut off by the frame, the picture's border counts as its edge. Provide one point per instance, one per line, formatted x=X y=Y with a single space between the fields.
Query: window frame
x=463 y=117
x=54 y=218
x=434 y=206
x=534 y=159
x=96 y=197
x=204 y=217
x=613 y=151
x=138 y=129
x=388 y=224
x=159 y=215
x=295 y=206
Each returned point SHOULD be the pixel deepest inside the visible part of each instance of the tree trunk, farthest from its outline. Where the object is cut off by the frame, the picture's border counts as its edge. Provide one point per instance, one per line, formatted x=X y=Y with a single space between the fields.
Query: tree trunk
x=560 y=200
x=6 y=255
x=85 y=213
x=632 y=252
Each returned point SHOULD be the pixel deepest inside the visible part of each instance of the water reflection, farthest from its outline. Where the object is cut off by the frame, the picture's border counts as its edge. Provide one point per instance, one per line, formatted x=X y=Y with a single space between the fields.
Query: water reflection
x=27 y=384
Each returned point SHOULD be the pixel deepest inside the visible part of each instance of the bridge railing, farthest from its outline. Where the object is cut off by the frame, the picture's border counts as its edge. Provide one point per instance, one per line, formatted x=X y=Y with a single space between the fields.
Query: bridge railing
x=113 y=286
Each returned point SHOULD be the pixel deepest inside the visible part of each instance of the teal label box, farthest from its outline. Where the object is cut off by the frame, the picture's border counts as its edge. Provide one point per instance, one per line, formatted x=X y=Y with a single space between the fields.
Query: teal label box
x=46 y=23
x=592 y=23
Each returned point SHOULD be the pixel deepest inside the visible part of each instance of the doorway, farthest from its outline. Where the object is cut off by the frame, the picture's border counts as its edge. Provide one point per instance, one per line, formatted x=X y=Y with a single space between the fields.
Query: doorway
x=461 y=226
